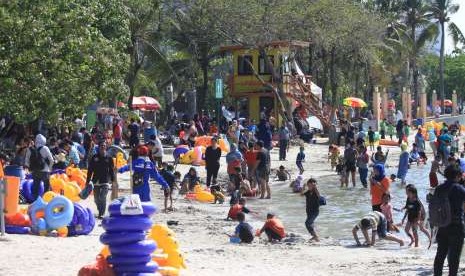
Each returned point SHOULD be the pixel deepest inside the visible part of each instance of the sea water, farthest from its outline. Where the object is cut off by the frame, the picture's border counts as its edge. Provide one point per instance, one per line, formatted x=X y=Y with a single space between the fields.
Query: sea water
x=345 y=206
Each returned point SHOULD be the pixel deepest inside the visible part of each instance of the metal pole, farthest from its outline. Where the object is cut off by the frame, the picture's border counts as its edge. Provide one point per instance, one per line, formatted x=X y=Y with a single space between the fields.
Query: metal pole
x=2 y=208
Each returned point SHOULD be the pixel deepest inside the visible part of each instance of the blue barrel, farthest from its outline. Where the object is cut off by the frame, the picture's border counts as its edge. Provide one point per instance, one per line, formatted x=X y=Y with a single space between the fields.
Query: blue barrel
x=14 y=170
x=149 y=132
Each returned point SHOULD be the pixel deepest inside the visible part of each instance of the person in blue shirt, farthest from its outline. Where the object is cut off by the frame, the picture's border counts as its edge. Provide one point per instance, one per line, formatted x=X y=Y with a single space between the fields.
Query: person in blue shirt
x=143 y=170
x=300 y=158
x=243 y=231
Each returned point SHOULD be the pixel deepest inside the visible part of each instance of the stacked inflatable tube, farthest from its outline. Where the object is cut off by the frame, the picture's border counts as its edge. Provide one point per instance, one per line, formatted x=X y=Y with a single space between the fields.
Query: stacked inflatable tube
x=125 y=235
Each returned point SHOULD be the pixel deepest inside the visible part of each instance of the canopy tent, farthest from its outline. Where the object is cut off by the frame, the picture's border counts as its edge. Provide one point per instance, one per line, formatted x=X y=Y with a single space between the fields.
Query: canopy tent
x=314 y=122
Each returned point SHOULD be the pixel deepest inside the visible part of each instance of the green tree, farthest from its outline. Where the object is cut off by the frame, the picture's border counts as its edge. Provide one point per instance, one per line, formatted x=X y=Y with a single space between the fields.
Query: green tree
x=57 y=57
x=441 y=10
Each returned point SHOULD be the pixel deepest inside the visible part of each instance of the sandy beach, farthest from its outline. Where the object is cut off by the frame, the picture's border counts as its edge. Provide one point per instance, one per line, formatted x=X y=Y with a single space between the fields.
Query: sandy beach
x=201 y=234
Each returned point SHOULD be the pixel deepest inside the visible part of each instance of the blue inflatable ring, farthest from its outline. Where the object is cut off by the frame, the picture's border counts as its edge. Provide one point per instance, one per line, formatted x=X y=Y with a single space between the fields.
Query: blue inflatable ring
x=63 y=218
x=144 y=268
x=128 y=260
x=140 y=274
x=13 y=229
x=148 y=208
x=142 y=248
x=122 y=237
x=83 y=221
x=126 y=223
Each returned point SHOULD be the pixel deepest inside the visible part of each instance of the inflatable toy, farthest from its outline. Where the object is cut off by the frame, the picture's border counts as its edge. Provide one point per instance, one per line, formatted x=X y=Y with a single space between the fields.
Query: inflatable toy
x=18 y=219
x=161 y=259
x=136 y=268
x=122 y=237
x=83 y=221
x=128 y=260
x=36 y=207
x=206 y=141
x=159 y=231
x=40 y=227
x=115 y=208
x=141 y=248
x=105 y=252
x=62 y=231
x=13 y=229
x=64 y=215
x=26 y=189
x=168 y=271
x=79 y=179
x=190 y=196
x=198 y=157
x=48 y=196
x=205 y=196
x=186 y=158
x=71 y=190
x=168 y=243
x=179 y=150
x=126 y=223
x=175 y=259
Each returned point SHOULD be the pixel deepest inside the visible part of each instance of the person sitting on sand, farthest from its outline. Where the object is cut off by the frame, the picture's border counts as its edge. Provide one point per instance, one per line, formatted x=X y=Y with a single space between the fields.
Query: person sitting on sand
x=282 y=174
x=297 y=184
x=244 y=188
x=237 y=208
x=243 y=231
x=215 y=189
x=190 y=180
x=273 y=228
x=378 y=223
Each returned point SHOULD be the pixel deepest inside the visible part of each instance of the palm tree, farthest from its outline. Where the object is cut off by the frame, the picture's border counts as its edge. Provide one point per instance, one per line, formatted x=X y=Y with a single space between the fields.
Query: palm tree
x=441 y=10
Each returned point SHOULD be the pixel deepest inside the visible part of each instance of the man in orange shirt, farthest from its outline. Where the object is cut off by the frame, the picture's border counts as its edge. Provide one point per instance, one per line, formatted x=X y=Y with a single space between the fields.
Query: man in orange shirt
x=273 y=228
x=379 y=186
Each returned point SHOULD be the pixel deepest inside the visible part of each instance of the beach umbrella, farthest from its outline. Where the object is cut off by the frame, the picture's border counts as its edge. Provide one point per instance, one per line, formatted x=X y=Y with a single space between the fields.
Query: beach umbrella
x=354 y=102
x=146 y=103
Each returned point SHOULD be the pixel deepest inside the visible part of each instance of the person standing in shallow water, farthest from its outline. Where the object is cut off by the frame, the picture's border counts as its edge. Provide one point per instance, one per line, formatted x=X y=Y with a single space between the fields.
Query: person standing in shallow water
x=262 y=170
x=312 y=200
x=379 y=185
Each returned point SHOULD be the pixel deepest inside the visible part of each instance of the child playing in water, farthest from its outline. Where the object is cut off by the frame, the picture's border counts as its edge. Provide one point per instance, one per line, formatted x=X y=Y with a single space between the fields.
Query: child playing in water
x=386 y=209
x=333 y=155
x=296 y=185
x=415 y=213
x=379 y=157
x=414 y=155
x=243 y=231
x=433 y=173
x=300 y=159
x=377 y=223
x=390 y=130
x=273 y=228
x=312 y=198
x=282 y=174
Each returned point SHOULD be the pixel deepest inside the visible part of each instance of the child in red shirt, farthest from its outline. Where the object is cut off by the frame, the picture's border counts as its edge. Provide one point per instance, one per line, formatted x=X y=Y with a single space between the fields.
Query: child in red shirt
x=273 y=228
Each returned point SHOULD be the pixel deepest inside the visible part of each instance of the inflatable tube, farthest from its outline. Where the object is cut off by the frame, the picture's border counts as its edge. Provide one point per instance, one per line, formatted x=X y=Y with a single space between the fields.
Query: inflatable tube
x=168 y=271
x=198 y=156
x=127 y=260
x=26 y=188
x=160 y=259
x=142 y=248
x=83 y=221
x=148 y=267
x=126 y=223
x=13 y=229
x=385 y=142
x=175 y=259
x=190 y=196
x=122 y=237
x=54 y=219
x=115 y=208
x=167 y=243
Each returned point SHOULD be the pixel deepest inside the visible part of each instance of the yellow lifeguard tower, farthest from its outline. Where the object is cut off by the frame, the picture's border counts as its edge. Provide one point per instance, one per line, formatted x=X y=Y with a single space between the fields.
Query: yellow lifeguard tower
x=251 y=71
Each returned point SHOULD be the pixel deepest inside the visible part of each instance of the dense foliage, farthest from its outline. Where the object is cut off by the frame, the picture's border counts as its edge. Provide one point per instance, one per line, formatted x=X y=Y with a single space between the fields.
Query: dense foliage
x=58 y=57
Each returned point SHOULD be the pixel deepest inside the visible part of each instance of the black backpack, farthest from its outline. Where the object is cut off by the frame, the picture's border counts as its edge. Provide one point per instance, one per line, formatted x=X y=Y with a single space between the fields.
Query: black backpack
x=440 y=214
x=138 y=177
x=36 y=161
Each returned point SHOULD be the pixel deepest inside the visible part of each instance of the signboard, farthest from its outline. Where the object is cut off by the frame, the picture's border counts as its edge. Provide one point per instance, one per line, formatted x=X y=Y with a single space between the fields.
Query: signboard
x=219 y=89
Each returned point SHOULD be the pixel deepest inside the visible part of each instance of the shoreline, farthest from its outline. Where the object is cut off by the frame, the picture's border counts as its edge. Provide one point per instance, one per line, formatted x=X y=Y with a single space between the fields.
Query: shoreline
x=201 y=235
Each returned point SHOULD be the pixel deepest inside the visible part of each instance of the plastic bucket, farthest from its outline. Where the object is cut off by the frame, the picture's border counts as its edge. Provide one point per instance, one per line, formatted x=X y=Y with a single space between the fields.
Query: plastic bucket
x=14 y=170
x=12 y=194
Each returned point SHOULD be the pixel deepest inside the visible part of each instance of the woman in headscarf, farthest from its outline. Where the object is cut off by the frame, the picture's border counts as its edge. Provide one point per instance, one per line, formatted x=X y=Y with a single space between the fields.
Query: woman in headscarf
x=233 y=159
x=402 y=169
x=379 y=185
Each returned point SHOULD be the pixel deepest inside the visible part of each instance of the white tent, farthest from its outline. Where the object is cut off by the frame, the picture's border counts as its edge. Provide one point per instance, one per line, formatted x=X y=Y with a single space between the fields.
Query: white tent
x=314 y=122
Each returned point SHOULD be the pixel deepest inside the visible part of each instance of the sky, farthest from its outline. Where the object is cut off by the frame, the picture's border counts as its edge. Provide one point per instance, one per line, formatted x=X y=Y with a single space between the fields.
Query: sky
x=459 y=20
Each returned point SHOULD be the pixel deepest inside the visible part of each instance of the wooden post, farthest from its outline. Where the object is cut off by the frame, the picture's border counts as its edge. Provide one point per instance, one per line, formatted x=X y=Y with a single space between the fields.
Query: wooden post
x=434 y=99
x=422 y=113
x=384 y=103
x=376 y=103
x=454 y=103
x=404 y=102
x=408 y=116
